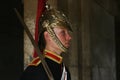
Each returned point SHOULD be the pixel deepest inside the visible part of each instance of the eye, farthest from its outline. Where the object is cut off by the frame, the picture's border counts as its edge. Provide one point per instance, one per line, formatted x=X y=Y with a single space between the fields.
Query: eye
x=63 y=33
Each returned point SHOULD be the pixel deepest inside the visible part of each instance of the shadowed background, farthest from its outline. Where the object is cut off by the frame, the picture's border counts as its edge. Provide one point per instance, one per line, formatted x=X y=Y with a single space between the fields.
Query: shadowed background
x=94 y=54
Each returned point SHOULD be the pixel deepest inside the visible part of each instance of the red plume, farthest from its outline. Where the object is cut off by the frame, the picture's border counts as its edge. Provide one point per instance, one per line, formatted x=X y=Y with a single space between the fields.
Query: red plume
x=40 y=9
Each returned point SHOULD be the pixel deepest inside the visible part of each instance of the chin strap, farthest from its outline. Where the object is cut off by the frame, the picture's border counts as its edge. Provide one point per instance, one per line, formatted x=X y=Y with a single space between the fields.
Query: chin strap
x=56 y=40
x=50 y=30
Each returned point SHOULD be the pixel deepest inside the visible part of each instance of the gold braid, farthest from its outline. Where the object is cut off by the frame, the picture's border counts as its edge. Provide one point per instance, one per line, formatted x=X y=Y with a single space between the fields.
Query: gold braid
x=49 y=26
x=55 y=38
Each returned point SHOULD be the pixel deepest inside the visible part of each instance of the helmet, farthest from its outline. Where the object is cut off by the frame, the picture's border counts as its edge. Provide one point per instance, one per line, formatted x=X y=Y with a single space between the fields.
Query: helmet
x=50 y=19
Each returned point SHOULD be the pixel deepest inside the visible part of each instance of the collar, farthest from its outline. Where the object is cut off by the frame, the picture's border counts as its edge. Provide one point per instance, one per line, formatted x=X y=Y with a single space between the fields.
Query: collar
x=53 y=56
x=48 y=54
x=36 y=61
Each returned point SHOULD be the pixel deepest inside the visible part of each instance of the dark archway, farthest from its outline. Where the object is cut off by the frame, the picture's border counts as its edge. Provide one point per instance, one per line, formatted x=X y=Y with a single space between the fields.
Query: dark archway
x=11 y=40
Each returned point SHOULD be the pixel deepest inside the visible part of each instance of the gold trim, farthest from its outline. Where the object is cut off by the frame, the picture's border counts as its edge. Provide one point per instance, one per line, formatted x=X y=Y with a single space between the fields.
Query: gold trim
x=35 y=64
x=52 y=58
x=55 y=38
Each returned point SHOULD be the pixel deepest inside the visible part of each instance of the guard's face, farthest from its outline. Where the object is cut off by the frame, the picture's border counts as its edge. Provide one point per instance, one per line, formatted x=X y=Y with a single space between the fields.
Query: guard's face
x=63 y=35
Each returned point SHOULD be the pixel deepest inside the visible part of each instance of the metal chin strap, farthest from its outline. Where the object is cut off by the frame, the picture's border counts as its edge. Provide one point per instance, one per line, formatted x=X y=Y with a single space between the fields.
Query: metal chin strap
x=56 y=40
x=53 y=35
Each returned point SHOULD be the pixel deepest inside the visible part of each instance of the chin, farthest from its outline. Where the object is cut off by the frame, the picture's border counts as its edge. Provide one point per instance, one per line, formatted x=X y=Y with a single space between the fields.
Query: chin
x=67 y=46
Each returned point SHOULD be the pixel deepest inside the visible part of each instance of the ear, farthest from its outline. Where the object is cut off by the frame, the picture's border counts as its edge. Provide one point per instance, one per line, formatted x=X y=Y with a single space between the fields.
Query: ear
x=46 y=35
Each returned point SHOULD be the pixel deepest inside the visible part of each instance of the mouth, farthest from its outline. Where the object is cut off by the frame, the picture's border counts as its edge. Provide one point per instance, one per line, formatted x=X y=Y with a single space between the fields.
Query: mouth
x=67 y=45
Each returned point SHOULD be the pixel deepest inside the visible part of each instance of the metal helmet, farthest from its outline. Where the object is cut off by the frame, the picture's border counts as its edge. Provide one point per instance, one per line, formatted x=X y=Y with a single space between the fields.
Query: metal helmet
x=50 y=19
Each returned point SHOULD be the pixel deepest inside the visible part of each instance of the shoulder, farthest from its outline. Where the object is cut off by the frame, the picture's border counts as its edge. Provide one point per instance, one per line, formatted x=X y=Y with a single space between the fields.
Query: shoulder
x=35 y=62
x=34 y=71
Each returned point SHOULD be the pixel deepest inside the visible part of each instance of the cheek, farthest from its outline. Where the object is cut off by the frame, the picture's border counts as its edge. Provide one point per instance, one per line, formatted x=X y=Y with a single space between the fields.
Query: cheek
x=62 y=39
